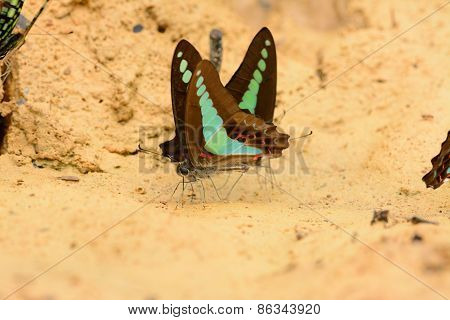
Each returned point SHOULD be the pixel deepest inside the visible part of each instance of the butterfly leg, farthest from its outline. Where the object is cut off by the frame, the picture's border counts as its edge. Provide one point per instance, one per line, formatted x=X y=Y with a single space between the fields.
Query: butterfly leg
x=266 y=177
x=204 y=193
x=180 y=200
x=176 y=188
x=217 y=192
x=234 y=184
x=193 y=191
x=273 y=180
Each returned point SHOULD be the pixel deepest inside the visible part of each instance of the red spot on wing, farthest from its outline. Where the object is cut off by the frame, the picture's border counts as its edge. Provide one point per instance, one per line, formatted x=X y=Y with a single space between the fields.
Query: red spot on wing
x=206 y=155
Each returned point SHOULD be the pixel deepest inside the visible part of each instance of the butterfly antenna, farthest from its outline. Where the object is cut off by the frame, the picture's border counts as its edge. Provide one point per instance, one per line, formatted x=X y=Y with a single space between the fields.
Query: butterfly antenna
x=140 y=149
x=215 y=48
x=147 y=151
x=303 y=136
x=273 y=179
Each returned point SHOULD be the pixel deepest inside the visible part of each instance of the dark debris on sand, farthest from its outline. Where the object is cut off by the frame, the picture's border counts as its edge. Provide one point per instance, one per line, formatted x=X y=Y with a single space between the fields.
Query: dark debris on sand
x=380 y=216
x=417 y=238
x=417 y=220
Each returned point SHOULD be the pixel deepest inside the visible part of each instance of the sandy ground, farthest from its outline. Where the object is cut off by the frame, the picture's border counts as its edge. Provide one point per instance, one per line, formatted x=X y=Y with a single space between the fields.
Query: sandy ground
x=115 y=234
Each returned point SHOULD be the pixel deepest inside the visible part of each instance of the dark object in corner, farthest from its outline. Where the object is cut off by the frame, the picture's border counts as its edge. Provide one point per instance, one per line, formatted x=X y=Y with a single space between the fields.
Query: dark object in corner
x=440 y=172
x=380 y=216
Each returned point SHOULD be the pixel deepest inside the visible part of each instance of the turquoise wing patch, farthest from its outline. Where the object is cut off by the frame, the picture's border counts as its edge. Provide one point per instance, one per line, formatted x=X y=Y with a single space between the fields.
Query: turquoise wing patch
x=216 y=139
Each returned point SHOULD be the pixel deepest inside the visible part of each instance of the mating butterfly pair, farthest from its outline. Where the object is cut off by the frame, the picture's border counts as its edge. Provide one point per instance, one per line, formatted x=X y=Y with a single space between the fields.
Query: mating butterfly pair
x=441 y=167
x=9 y=16
x=221 y=128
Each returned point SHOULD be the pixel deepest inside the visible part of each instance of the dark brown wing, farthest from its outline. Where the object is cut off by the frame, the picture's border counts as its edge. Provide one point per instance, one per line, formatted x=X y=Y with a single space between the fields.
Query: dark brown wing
x=441 y=167
x=9 y=16
x=184 y=61
x=219 y=134
x=254 y=85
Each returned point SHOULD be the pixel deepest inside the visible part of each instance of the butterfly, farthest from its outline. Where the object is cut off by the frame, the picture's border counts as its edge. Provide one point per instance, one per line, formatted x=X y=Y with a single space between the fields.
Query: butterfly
x=9 y=16
x=441 y=167
x=223 y=128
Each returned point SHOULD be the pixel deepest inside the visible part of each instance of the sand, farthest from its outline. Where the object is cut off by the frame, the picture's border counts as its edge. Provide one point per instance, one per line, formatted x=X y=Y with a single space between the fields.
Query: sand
x=115 y=234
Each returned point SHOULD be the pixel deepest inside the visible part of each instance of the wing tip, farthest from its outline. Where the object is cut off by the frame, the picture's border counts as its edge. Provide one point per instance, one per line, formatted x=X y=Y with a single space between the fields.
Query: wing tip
x=184 y=44
x=264 y=30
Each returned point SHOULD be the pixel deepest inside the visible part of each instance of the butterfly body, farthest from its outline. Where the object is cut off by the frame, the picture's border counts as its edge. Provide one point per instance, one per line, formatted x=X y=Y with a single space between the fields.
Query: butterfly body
x=218 y=135
x=440 y=173
x=223 y=128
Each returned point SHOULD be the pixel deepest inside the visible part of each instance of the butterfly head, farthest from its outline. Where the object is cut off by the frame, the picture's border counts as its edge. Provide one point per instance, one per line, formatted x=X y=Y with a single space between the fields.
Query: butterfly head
x=183 y=170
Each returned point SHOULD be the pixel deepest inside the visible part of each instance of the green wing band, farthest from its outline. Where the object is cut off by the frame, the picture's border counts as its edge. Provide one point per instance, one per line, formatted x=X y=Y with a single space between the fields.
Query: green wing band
x=250 y=97
x=216 y=139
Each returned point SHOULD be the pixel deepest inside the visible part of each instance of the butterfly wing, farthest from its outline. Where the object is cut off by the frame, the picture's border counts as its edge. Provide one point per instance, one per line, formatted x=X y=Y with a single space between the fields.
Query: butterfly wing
x=254 y=85
x=441 y=167
x=12 y=42
x=184 y=61
x=9 y=15
x=218 y=133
